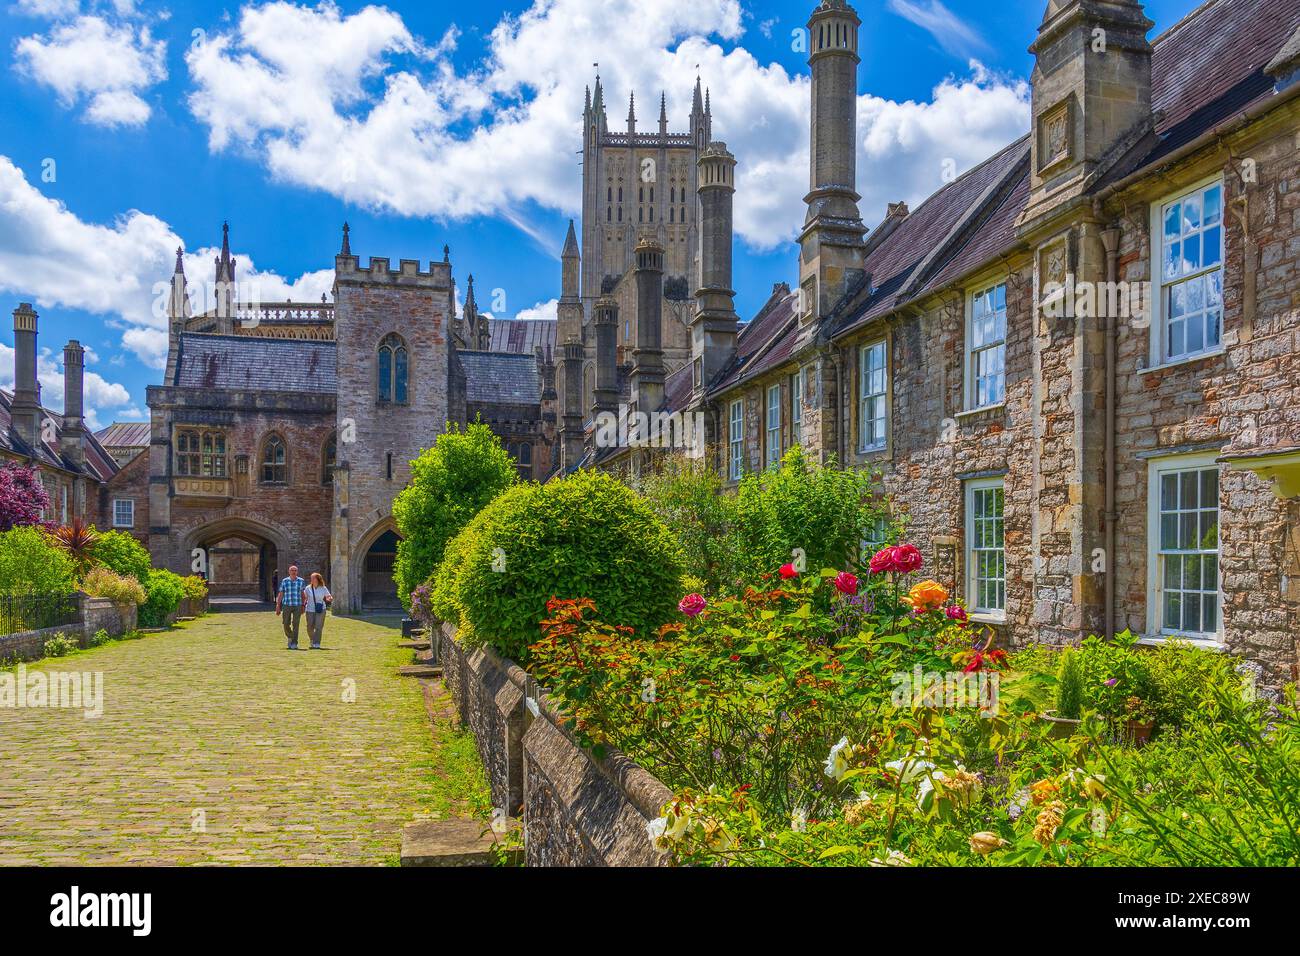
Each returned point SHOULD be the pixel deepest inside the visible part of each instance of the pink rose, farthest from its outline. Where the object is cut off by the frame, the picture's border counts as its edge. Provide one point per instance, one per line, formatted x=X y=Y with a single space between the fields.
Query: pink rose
x=692 y=605
x=846 y=583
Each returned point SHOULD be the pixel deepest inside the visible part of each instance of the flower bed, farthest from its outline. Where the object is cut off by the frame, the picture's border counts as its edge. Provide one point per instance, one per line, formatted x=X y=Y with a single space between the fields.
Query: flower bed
x=832 y=719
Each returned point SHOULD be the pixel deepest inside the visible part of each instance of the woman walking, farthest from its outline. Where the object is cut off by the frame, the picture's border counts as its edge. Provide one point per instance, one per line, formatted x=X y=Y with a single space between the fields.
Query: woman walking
x=315 y=598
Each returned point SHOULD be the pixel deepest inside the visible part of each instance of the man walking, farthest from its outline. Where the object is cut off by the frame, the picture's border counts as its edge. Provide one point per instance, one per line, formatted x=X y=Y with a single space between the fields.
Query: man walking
x=288 y=604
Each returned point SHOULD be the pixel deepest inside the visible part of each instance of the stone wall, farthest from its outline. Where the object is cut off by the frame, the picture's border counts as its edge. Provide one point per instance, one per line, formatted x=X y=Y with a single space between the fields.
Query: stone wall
x=93 y=614
x=576 y=810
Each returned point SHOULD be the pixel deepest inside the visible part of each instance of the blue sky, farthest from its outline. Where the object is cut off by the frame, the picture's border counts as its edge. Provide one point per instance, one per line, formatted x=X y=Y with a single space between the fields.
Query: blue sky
x=132 y=126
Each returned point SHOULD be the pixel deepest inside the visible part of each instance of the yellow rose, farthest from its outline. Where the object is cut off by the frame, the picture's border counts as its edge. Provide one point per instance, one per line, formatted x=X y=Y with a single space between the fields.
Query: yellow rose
x=927 y=596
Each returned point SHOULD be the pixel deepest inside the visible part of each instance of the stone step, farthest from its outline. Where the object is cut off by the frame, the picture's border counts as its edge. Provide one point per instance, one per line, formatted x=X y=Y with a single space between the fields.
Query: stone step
x=451 y=842
x=415 y=645
x=419 y=670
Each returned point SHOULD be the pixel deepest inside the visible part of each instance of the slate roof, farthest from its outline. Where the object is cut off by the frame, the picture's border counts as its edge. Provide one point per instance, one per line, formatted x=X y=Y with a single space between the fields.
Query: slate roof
x=1209 y=67
x=124 y=435
x=246 y=362
x=99 y=463
x=501 y=378
x=1205 y=70
x=521 y=336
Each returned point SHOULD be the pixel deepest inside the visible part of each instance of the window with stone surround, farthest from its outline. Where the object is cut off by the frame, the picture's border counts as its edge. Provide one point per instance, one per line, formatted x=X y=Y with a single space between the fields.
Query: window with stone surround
x=773 y=424
x=394 y=361
x=123 y=512
x=797 y=382
x=986 y=562
x=736 y=439
x=1183 y=546
x=986 y=347
x=873 y=396
x=1187 y=233
x=275 y=461
x=200 y=454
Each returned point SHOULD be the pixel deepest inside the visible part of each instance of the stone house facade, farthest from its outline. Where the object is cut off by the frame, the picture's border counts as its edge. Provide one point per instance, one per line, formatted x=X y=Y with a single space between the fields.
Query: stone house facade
x=1076 y=367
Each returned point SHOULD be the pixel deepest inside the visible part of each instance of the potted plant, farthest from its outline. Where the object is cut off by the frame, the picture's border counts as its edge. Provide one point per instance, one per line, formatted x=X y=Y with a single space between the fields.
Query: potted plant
x=1139 y=720
x=1068 y=715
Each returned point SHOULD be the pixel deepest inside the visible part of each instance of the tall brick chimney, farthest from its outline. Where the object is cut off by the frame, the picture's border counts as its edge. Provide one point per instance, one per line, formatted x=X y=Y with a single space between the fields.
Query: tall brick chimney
x=605 y=394
x=714 y=326
x=571 y=437
x=648 y=357
x=72 y=437
x=831 y=244
x=1091 y=94
x=27 y=412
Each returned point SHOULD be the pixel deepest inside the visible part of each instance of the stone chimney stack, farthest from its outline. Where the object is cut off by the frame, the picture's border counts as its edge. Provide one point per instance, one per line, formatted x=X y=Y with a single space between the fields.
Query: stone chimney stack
x=571 y=438
x=605 y=394
x=648 y=358
x=714 y=327
x=830 y=246
x=72 y=438
x=27 y=390
x=1091 y=94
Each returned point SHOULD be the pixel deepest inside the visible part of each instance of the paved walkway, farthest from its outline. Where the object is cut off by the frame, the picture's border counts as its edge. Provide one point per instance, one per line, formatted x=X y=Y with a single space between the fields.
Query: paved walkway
x=217 y=745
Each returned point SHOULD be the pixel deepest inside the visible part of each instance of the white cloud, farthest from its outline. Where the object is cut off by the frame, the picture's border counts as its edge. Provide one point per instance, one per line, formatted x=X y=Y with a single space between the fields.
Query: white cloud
x=954 y=34
x=360 y=108
x=51 y=256
x=90 y=60
x=542 y=310
x=47 y=8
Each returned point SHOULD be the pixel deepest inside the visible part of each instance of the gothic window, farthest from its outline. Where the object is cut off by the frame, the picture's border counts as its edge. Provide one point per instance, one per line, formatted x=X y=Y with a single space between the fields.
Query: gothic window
x=620 y=213
x=652 y=213
x=200 y=454
x=329 y=458
x=609 y=194
x=640 y=214
x=652 y=194
x=275 y=461
x=393 y=369
x=670 y=214
x=620 y=193
x=640 y=194
x=609 y=213
x=683 y=214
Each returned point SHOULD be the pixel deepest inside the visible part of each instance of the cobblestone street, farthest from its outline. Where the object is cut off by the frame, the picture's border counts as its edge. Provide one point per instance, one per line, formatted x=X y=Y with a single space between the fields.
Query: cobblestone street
x=218 y=746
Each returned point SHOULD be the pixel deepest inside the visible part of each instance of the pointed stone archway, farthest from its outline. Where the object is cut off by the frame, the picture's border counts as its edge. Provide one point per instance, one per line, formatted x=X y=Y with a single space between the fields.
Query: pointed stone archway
x=241 y=557
x=370 y=572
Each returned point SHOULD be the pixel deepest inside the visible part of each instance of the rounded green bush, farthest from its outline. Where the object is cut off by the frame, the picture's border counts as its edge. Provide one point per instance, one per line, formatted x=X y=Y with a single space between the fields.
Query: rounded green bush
x=122 y=554
x=588 y=535
x=164 y=590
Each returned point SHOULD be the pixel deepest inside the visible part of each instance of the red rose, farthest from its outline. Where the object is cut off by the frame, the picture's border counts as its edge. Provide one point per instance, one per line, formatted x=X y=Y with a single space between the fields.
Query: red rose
x=908 y=558
x=735 y=657
x=692 y=605
x=846 y=583
x=788 y=571
x=884 y=561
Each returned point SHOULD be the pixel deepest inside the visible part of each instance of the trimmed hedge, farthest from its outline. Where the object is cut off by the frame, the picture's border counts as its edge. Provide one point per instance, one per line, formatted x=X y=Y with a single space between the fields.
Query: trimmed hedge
x=588 y=535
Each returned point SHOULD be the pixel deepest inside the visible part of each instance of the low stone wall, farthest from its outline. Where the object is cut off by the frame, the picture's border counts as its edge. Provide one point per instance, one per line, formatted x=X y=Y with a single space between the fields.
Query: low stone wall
x=93 y=614
x=576 y=810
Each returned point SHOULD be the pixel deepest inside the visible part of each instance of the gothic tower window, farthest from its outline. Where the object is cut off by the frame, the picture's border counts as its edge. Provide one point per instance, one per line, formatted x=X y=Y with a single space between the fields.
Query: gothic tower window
x=275 y=461
x=393 y=369
x=329 y=458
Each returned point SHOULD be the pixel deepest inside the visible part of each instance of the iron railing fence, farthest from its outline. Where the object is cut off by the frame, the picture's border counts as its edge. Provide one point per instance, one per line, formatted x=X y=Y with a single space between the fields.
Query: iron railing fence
x=31 y=611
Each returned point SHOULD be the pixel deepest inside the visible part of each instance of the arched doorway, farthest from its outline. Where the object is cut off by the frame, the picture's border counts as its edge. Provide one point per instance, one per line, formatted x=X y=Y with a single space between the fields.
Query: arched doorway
x=378 y=590
x=241 y=560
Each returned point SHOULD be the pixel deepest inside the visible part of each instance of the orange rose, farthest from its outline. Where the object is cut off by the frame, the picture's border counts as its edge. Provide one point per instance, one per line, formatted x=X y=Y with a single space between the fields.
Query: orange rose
x=927 y=596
